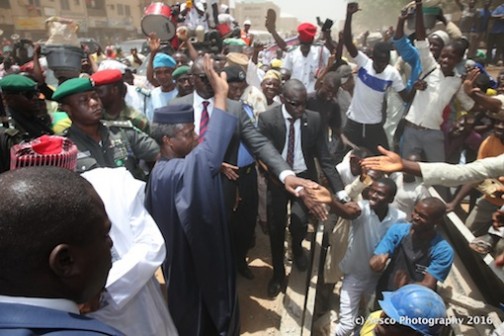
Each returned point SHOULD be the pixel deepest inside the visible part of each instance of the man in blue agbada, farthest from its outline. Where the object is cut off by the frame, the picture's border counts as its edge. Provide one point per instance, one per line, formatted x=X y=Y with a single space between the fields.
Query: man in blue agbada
x=184 y=196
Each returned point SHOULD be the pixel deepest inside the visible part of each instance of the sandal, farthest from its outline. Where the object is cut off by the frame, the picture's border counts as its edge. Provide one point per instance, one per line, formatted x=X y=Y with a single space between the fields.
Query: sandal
x=481 y=246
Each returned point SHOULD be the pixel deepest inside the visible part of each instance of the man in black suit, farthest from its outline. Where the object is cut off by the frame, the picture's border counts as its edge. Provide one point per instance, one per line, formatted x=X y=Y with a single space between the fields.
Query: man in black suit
x=202 y=101
x=298 y=134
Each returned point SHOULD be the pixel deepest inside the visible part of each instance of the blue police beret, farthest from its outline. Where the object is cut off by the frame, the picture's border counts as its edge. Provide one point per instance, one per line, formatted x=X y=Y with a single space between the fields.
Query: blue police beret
x=163 y=60
x=174 y=114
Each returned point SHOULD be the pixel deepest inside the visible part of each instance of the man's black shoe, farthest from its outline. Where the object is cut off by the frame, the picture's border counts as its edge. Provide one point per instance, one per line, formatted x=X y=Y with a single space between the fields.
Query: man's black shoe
x=275 y=287
x=246 y=272
x=301 y=261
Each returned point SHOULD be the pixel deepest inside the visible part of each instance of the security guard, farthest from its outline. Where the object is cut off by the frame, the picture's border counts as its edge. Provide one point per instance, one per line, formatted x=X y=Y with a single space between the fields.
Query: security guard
x=27 y=111
x=109 y=85
x=102 y=143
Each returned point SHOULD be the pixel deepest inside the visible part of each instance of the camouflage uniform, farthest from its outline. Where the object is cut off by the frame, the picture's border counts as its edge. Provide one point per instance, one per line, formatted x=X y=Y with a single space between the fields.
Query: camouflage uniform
x=130 y=113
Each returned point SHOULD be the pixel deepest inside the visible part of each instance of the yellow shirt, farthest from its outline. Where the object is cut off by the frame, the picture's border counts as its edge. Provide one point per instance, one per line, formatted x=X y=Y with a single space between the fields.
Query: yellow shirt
x=370 y=324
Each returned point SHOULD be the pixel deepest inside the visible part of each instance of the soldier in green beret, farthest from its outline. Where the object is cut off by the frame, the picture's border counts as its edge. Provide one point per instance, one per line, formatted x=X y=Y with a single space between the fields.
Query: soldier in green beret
x=102 y=143
x=28 y=114
x=182 y=78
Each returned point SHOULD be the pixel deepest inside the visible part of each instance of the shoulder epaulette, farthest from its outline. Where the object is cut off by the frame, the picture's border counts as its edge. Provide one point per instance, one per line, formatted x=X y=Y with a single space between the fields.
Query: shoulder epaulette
x=118 y=123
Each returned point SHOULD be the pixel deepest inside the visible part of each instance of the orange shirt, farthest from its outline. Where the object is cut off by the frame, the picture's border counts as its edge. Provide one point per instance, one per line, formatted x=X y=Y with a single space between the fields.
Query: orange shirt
x=491 y=147
x=245 y=37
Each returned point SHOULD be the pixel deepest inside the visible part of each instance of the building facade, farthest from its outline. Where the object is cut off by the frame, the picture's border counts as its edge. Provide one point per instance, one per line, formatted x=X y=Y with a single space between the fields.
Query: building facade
x=102 y=19
x=255 y=11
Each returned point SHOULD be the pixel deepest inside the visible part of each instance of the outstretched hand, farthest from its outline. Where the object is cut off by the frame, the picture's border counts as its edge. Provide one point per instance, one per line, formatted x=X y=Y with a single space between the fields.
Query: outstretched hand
x=390 y=162
x=315 y=207
x=321 y=195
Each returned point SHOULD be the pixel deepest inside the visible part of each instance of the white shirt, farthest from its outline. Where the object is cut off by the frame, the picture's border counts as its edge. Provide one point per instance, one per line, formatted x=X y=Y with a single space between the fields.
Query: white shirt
x=305 y=68
x=449 y=175
x=198 y=109
x=370 y=89
x=408 y=194
x=344 y=170
x=193 y=19
x=299 y=164
x=133 y=302
x=56 y=304
x=440 y=91
x=158 y=99
x=365 y=233
x=255 y=75
x=134 y=98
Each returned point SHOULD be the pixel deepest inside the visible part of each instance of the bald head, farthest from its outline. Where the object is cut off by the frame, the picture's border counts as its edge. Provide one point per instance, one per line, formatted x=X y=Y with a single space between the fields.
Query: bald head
x=293 y=86
x=437 y=207
x=198 y=65
x=49 y=217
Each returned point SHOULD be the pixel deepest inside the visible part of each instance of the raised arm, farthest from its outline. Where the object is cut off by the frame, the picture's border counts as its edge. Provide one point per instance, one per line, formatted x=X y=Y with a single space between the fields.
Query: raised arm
x=271 y=28
x=492 y=104
x=154 y=45
x=352 y=8
x=419 y=22
x=399 y=32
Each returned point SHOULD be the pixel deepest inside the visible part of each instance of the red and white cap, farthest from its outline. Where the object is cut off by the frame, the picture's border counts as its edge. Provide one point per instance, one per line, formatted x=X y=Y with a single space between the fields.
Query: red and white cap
x=47 y=150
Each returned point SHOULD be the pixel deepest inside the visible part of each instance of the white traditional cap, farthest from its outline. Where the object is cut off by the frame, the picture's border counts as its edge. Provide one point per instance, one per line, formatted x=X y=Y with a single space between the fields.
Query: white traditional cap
x=247 y=23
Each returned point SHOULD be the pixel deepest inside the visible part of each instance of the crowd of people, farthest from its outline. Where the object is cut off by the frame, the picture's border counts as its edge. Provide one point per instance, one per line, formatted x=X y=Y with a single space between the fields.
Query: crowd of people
x=107 y=176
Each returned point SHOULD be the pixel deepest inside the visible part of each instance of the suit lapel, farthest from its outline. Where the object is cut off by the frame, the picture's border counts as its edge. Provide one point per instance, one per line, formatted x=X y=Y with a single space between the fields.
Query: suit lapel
x=282 y=130
x=305 y=132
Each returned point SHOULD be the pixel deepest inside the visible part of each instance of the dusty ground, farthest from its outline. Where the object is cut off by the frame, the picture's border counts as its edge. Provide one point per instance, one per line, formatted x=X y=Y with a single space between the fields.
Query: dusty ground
x=259 y=314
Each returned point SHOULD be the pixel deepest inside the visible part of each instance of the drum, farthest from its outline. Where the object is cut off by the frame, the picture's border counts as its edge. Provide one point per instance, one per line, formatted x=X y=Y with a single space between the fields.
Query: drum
x=157 y=19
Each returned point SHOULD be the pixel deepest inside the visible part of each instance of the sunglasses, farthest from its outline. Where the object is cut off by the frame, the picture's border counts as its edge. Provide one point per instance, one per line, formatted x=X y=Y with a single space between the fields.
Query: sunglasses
x=201 y=76
x=29 y=94
x=294 y=103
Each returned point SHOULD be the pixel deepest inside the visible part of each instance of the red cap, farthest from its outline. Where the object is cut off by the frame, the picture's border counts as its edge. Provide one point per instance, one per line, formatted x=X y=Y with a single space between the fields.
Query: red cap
x=306 y=32
x=108 y=76
x=47 y=150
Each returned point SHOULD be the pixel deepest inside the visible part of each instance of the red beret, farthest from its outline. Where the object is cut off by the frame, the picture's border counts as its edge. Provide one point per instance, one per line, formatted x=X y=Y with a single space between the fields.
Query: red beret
x=306 y=32
x=108 y=76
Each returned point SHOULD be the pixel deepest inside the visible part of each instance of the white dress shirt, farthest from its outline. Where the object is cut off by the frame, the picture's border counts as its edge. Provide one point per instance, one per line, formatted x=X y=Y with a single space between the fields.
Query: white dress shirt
x=198 y=109
x=305 y=68
x=299 y=164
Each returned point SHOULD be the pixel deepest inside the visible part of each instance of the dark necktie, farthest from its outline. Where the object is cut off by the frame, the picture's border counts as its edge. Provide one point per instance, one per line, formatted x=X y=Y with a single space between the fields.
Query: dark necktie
x=205 y=117
x=290 y=143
